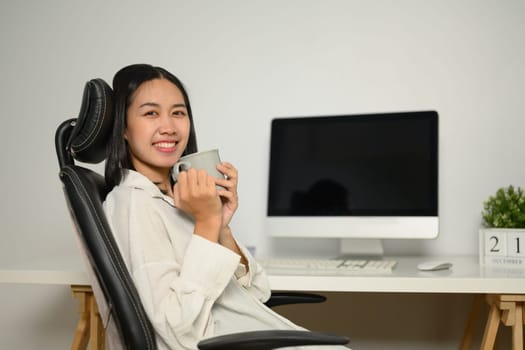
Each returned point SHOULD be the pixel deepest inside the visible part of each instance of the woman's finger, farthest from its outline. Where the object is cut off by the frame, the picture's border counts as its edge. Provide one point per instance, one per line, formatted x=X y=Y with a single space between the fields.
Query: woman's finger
x=226 y=183
x=225 y=194
x=228 y=169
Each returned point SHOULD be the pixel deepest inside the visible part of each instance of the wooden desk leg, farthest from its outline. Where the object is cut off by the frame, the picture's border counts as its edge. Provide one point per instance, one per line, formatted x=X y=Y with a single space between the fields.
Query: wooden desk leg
x=507 y=308
x=491 y=328
x=512 y=315
x=97 y=334
x=89 y=328
x=517 y=328
x=81 y=338
x=466 y=343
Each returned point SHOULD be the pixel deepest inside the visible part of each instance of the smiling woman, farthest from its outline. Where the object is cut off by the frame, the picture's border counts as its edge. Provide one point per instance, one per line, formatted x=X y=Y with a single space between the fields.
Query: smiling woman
x=193 y=277
x=139 y=91
x=157 y=129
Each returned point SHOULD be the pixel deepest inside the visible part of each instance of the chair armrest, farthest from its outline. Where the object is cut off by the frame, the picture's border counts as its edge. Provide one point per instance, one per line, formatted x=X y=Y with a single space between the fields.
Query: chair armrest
x=284 y=298
x=273 y=339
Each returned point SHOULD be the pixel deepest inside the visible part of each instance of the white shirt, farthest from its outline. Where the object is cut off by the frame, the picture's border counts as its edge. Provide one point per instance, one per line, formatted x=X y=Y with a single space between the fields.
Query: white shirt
x=191 y=288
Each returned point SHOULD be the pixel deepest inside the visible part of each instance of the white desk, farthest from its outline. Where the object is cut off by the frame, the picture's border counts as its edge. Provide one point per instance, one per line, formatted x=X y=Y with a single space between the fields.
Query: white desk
x=58 y=277
x=59 y=270
x=466 y=276
x=503 y=289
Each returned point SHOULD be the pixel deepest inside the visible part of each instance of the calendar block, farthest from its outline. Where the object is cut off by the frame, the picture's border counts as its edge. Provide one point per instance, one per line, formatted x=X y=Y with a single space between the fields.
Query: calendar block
x=505 y=247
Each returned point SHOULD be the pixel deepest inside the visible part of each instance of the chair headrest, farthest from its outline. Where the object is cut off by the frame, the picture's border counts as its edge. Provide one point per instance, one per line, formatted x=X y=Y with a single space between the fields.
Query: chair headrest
x=92 y=129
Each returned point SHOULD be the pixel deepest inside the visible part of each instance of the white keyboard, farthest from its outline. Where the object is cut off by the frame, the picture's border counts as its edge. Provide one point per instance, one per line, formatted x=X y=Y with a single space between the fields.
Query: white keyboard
x=319 y=266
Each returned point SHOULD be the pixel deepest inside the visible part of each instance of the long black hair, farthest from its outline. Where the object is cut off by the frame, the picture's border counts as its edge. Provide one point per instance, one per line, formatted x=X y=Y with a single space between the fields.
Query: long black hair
x=125 y=82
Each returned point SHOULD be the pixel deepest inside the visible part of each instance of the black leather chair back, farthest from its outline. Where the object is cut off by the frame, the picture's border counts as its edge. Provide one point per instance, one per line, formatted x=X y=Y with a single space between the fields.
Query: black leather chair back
x=84 y=139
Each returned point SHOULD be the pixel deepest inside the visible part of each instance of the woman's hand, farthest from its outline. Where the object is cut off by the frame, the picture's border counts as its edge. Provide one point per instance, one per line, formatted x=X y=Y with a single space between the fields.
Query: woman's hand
x=230 y=203
x=195 y=194
x=229 y=197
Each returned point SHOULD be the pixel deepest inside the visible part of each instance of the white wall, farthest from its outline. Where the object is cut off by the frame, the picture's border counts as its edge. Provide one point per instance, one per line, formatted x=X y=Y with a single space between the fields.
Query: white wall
x=245 y=62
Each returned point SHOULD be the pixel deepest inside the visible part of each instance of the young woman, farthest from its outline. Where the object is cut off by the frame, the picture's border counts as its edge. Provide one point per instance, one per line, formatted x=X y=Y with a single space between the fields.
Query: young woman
x=194 y=279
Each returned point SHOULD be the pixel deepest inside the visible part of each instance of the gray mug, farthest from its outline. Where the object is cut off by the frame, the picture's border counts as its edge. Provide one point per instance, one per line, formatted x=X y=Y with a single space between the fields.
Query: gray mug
x=206 y=160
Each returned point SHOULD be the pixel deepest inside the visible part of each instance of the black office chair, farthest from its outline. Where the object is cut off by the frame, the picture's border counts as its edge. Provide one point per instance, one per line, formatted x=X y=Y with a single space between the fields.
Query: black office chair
x=84 y=139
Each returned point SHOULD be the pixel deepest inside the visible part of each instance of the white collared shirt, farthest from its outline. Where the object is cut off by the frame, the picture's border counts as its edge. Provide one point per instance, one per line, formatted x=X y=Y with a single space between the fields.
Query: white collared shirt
x=188 y=285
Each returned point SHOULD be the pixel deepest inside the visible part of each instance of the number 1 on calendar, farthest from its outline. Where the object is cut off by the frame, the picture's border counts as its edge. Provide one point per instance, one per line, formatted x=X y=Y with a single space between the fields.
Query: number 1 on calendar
x=515 y=244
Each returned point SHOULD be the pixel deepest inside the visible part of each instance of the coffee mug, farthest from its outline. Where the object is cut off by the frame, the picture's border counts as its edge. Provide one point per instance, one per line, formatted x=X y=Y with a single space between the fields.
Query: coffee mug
x=206 y=160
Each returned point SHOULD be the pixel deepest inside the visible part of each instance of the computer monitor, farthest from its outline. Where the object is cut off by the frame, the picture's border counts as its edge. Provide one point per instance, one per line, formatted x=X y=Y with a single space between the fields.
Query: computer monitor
x=360 y=178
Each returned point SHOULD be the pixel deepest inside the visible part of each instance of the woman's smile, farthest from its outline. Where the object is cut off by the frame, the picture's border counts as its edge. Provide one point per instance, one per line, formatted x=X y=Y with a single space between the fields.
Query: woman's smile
x=166 y=146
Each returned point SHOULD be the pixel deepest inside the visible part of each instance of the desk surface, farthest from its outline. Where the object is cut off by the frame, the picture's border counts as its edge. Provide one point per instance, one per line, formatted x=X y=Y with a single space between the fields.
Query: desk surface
x=58 y=270
x=466 y=276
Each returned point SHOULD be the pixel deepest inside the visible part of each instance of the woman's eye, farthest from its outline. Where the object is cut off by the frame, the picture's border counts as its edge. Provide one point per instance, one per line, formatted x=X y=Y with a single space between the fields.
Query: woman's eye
x=179 y=113
x=150 y=113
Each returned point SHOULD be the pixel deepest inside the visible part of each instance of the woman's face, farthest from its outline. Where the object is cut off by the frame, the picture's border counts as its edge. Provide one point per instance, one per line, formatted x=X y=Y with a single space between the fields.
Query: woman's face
x=158 y=128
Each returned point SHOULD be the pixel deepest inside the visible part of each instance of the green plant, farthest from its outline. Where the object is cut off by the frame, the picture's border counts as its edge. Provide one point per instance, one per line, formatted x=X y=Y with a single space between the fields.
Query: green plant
x=506 y=209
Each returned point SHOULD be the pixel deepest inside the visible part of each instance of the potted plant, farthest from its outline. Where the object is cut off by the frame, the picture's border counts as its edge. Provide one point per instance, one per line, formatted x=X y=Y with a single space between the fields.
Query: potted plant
x=502 y=237
x=506 y=209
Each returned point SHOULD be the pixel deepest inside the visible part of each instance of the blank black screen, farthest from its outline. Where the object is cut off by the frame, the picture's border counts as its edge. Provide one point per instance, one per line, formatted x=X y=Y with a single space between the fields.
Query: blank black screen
x=365 y=165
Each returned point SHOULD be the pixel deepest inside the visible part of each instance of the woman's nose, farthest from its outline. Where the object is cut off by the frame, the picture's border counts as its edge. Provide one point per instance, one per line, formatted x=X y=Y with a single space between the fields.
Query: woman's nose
x=167 y=125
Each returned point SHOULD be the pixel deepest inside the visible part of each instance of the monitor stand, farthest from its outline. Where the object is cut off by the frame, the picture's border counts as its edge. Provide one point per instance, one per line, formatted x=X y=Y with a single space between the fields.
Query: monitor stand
x=351 y=248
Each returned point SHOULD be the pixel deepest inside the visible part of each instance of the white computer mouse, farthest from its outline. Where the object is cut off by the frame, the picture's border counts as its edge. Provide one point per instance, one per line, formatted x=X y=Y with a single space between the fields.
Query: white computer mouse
x=434 y=265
